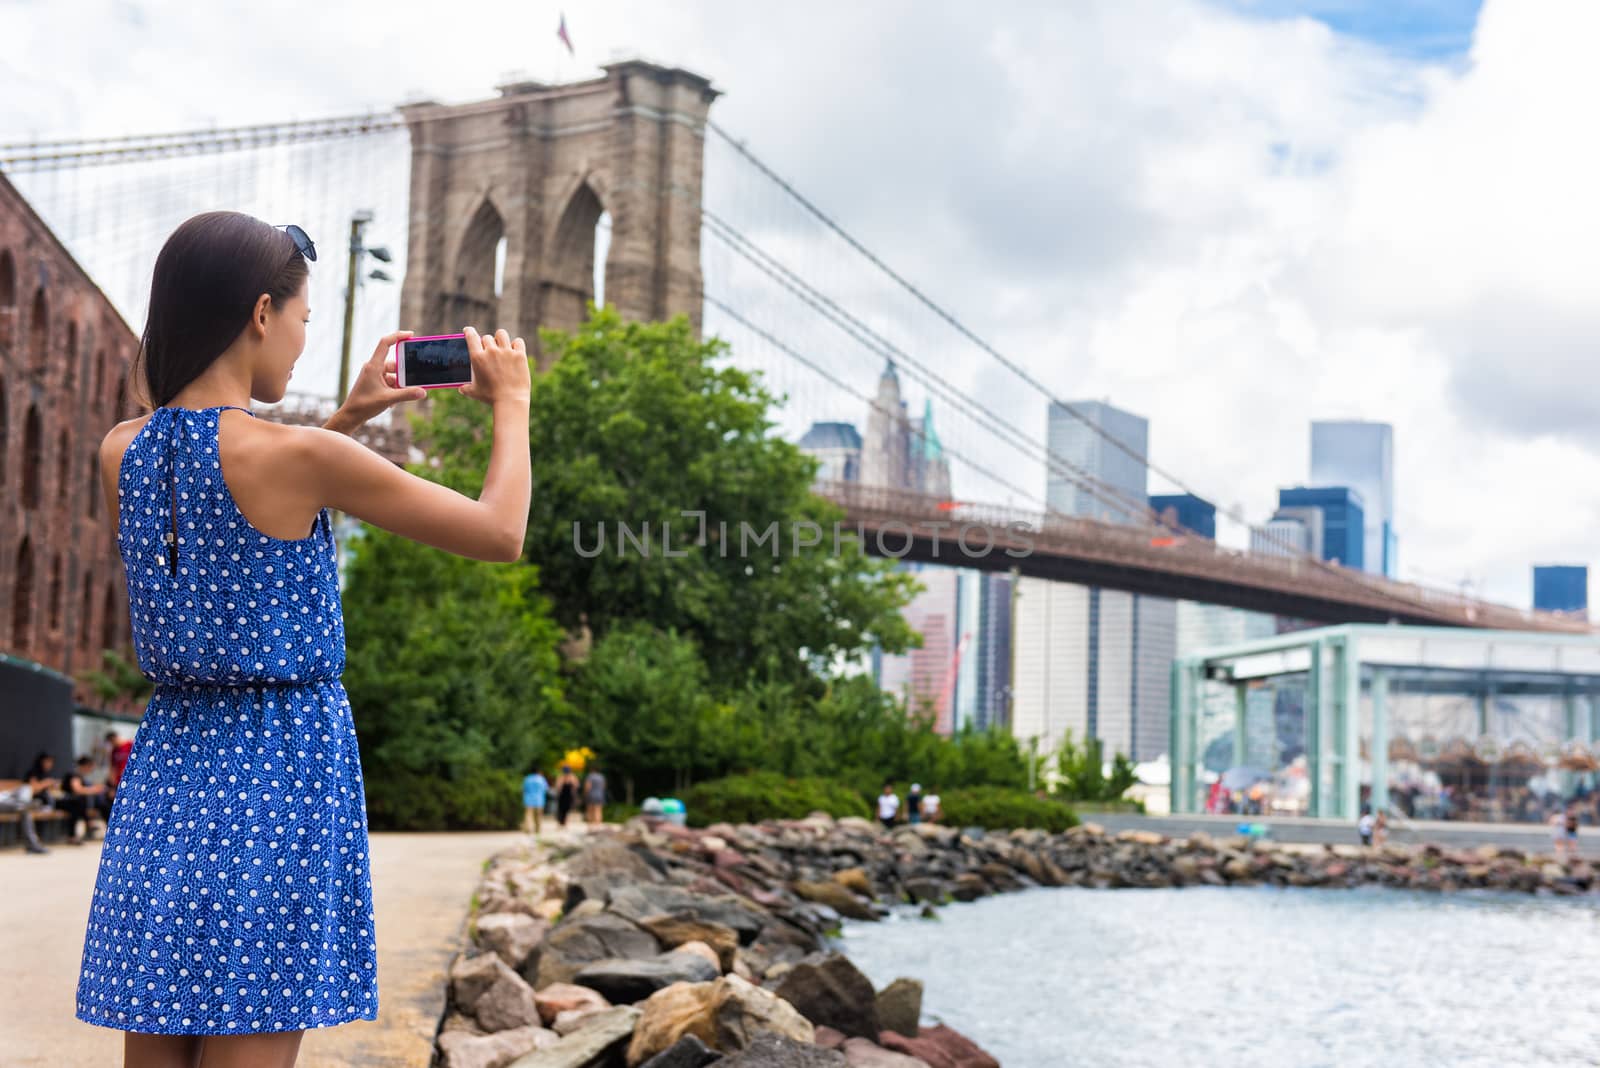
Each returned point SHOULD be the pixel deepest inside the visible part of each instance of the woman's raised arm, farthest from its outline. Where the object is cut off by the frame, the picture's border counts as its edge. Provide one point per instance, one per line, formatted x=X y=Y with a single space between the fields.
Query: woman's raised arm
x=344 y=474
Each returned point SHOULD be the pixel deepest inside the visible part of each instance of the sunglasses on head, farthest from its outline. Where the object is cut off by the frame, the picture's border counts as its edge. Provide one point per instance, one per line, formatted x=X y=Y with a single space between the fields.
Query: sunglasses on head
x=302 y=241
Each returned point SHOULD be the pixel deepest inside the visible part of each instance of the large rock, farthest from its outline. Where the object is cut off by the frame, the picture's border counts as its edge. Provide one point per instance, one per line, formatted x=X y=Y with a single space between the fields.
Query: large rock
x=558 y=998
x=639 y=903
x=926 y=888
x=704 y=952
x=493 y=994
x=900 y=1007
x=624 y=982
x=464 y=1049
x=860 y=1053
x=512 y=936
x=727 y=1014
x=837 y=898
x=776 y=1051
x=855 y=880
x=674 y=931
x=581 y=941
x=687 y=1052
x=940 y=1047
x=828 y=989
x=675 y=1012
x=741 y=1011
x=598 y=1043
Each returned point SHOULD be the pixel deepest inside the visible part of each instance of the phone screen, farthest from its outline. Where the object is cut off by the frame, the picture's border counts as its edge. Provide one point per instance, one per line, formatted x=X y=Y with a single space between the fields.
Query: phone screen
x=436 y=361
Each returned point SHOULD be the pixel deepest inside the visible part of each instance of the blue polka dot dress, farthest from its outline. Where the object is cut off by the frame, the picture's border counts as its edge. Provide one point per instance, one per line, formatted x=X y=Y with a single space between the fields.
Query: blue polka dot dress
x=234 y=893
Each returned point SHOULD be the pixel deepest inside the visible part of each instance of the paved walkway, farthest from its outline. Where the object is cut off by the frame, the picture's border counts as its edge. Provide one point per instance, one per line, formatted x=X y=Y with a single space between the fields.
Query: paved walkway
x=1533 y=837
x=422 y=884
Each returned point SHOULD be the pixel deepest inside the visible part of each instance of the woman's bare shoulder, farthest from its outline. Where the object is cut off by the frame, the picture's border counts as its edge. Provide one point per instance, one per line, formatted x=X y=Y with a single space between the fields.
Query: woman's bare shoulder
x=118 y=439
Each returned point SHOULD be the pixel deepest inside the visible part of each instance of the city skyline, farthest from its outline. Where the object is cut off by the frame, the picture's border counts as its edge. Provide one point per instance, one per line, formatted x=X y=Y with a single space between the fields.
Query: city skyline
x=1325 y=253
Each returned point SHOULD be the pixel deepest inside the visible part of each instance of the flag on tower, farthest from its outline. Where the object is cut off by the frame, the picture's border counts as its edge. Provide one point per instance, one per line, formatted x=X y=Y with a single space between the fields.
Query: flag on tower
x=561 y=32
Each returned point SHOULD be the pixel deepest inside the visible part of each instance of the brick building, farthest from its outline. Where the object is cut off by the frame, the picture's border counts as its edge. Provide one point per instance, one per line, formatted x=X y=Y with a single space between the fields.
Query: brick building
x=65 y=352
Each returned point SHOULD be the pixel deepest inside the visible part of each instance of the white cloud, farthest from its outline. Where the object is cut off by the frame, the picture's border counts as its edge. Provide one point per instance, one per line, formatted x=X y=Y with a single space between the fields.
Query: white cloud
x=1231 y=225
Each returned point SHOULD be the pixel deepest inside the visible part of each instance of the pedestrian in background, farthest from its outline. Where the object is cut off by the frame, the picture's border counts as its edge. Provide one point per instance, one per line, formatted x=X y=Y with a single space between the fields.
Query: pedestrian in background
x=566 y=794
x=594 y=795
x=914 y=803
x=888 y=805
x=535 y=792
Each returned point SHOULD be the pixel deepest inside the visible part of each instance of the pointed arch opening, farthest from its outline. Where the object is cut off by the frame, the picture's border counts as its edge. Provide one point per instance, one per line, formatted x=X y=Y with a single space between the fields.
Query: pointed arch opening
x=86 y=616
x=480 y=270
x=571 y=282
x=63 y=466
x=8 y=299
x=92 y=467
x=69 y=369
x=32 y=456
x=39 y=330
x=55 y=594
x=22 y=599
x=108 y=619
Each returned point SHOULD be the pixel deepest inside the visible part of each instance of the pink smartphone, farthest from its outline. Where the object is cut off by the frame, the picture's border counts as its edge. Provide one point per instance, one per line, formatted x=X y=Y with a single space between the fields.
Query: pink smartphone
x=433 y=362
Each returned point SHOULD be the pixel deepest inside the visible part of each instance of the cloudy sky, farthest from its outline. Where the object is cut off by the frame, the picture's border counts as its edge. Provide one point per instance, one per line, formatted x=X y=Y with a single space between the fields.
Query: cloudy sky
x=1230 y=217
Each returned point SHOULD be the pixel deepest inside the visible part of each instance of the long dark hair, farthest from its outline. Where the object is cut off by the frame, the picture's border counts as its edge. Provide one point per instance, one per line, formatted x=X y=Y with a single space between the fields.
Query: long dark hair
x=208 y=277
x=36 y=770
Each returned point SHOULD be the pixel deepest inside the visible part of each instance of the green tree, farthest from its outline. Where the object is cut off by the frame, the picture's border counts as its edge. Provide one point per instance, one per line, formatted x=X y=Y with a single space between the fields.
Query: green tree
x=453 y=681
x=118 y=677
x=642 y=693
x=637 y=424
x=1081 y=775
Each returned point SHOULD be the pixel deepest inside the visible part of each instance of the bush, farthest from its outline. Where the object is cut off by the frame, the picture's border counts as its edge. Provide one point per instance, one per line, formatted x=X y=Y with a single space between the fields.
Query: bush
x=487 y=800
x=766 y=795
x=998 y=808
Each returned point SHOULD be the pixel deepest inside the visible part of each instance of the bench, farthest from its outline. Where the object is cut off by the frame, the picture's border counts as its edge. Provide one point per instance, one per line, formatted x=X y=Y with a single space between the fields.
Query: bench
x=52 y=824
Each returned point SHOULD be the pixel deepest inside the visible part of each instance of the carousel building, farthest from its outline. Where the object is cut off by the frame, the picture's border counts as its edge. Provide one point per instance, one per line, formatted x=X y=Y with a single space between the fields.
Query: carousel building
x=1429 y=723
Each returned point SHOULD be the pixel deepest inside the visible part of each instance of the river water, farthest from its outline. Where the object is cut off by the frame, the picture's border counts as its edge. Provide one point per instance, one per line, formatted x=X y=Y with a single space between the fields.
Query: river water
x=1254 y=976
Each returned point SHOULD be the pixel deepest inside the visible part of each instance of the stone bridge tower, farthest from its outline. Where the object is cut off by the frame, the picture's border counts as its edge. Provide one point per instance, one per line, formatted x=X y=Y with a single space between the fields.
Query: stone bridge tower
x=537 y=167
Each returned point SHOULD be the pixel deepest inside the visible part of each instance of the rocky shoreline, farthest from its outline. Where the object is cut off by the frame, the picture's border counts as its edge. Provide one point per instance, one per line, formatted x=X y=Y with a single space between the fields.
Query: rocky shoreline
x=664 y=947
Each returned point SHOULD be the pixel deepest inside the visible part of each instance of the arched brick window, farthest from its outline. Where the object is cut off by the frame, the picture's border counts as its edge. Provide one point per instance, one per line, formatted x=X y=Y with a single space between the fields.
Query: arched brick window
x=86 y=620
x=98 y=396
x=93 y=478
x=108 y=621
x=55 y=594
x=8 y=299
x=5 y=435
x=32 y=456
x=69 y=369
x=39 y=330
x=123 y=404
x=22 y=599
x=63 y=466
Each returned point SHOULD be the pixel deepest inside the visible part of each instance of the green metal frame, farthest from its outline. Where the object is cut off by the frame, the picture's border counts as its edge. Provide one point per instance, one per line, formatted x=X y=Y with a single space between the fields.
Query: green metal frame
x=1333 y=707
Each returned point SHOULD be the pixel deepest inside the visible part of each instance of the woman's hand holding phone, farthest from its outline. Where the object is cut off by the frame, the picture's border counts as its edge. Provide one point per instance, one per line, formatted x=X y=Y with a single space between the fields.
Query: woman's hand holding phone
x=376 y=388
x=499 y=368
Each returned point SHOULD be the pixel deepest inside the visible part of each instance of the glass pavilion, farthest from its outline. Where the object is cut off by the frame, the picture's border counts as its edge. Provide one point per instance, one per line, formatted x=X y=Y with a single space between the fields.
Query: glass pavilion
x=1429 y=723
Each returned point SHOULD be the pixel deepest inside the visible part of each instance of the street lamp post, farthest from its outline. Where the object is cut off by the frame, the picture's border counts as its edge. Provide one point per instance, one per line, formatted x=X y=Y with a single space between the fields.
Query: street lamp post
x=358 y=222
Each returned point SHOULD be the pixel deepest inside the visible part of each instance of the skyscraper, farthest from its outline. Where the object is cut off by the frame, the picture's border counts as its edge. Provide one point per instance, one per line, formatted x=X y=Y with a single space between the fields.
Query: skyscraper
x=1561 y=588
x=1093 y=661
x=837 y=447
x=1188 y=511
x=1334 y=518
x=1113 y=455
x=883 y=453
x=1361 y=455
x=901 y=453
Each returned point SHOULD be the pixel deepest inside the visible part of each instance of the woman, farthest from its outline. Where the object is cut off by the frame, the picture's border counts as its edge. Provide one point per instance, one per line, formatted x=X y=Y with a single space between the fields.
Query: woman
x=566 y=794
x=39 y=780
x=233 y=907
